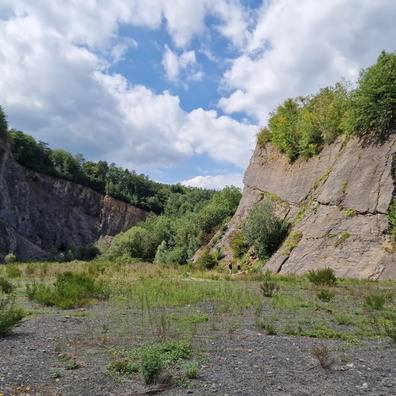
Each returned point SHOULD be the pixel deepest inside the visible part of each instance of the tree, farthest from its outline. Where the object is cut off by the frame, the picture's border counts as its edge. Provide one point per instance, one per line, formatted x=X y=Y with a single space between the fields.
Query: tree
x=3 y=124
x=373 y=103
x=264 y=230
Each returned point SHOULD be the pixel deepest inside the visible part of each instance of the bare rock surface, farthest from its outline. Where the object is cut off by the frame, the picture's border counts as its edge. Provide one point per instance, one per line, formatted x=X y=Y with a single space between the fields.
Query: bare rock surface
x=338 y=200
x=39 y=212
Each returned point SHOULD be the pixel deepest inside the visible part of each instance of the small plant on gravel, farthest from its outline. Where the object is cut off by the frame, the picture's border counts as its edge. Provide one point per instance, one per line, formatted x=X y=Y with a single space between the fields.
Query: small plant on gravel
x=268 y=326
x=375 y=301
x=9 y=315
x=389 y=325
x=191 y=370
x=324 y=357
x=325 y=294
x=322 y=277
x=150 y=365
x=269 y=289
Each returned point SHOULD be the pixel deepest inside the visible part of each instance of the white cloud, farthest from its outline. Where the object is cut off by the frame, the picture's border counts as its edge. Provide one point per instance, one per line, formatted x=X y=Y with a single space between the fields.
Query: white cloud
x=298 y=47
x=215 y=182
x=174 y=65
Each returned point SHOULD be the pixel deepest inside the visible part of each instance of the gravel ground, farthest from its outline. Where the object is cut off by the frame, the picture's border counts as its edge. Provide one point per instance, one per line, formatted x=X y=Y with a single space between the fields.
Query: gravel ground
x=235 y=361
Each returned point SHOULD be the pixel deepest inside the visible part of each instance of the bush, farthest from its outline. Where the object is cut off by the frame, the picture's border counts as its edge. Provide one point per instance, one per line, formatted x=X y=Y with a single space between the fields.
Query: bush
x=269 y=289
x=264 y=230
x=375 y=301
x=323 y=277
x=70 y=290
x=10 y=258
x=372 y=107
x=9 y=315
x=6 y=286
x=13 y=271
x=325 y=295
x=207 y=260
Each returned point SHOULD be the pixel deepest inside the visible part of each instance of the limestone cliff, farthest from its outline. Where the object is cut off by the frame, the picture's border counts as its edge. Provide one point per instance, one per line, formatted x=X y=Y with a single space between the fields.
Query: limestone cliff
x=39 y=212
x=337 y=202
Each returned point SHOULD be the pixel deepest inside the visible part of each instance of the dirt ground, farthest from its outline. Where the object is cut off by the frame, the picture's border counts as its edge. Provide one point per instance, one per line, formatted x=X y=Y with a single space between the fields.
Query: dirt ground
x=236 y=359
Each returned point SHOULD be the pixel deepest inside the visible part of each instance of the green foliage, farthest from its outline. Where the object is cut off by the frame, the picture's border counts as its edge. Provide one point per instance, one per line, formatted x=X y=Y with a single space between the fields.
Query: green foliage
x=392 y=219
x=291 y=242
x=150 y=360
x=373 y=103
x=322 y=277
x=207 y=260
x=238 y=245
x=300 y=127
x=3 y=125
x=325 y=294
x=6 y=286
x=269 y=289
x=9 y=315
x=191 y=370
x=13 y=271
x=375 y=301
x=264 y=230
x=341 y=238
x=70 y=290
x=10 y=258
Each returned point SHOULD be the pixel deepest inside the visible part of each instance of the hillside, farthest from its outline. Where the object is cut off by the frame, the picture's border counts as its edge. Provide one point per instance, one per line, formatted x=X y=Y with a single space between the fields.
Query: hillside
x=337 y=202
x=40 y=212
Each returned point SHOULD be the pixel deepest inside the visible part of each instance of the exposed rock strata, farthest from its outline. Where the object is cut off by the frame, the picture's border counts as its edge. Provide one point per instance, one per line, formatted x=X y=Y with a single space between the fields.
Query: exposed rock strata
x=338 y=200
x=39 y=212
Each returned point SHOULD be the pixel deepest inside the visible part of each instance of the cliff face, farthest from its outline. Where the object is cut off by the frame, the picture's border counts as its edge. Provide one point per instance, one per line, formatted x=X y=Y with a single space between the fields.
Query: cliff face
x=39 y=212
x=337 y=201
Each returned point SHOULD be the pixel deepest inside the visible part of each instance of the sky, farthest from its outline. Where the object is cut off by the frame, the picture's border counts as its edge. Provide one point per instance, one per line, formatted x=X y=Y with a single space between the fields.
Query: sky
x=176 y=89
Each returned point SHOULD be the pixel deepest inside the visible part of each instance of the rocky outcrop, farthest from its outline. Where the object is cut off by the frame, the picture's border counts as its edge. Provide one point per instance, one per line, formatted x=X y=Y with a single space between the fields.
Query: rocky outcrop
x=39 y=212
x=337 y=202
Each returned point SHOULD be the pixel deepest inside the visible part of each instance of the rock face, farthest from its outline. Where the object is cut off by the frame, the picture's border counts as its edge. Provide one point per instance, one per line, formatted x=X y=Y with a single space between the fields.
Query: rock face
x=338 y=203
x=39 y=212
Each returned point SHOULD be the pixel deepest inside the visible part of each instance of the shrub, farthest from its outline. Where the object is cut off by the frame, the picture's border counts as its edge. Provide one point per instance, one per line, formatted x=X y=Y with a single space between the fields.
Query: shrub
x=238 y=245
x=10 y=258
x=323 y=277
x=324 y=357
x=9 y=315
x=70 y=290
x=13 y=271
x=269 y=289
x=325 y=295
x=375 y=301
x=6 y=286
x=191 y=370
x=372 y=107
x=207 y=260
x=264 y=230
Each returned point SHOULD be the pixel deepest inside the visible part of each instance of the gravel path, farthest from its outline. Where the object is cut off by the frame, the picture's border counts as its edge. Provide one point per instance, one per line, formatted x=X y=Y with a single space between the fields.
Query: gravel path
x=241 y=362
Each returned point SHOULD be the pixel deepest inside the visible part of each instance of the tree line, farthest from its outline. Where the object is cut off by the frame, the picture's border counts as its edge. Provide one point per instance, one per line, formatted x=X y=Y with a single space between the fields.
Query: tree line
x=301 y=127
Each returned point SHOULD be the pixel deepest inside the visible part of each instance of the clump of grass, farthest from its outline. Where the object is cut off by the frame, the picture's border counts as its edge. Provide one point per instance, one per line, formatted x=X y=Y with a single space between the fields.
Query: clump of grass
x=324 y=357
x=325 y=294
x=13 y=271
x=191 y=370
x=322 y=277
x=9 y=315
x=6 y=286
x=375 y=301
x=150 y=360
x=269 y=289
x=70 y=290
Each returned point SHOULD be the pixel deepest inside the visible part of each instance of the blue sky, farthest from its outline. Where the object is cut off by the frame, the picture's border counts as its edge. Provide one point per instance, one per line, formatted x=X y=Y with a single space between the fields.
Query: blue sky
x=176 y=89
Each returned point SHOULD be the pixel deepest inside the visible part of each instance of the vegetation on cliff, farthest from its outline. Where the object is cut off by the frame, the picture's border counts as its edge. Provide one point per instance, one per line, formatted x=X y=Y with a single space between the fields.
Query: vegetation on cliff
x=301 y=127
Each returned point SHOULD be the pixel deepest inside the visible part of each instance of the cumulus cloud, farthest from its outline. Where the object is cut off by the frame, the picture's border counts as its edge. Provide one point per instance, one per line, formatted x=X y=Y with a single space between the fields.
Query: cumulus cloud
x=186 y=62
x=58 y=80
x=297 y=47
x=215 y=182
